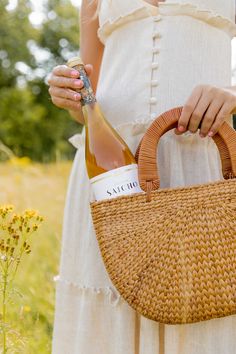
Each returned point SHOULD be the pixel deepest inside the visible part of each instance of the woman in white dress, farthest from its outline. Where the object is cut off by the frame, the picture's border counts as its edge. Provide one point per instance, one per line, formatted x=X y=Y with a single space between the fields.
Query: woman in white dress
x=147 y=58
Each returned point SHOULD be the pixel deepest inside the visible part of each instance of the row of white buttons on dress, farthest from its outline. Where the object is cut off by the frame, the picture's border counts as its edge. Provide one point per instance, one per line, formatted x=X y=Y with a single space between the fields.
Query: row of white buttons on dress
x=154 y=67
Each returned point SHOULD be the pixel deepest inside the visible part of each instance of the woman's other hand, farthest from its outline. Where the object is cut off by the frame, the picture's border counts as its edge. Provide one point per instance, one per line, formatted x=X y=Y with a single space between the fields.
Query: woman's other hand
x=64 y=85
x=206 y=109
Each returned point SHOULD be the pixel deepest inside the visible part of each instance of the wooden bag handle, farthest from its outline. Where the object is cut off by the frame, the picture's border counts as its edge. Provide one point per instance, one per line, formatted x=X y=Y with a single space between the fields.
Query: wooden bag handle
x=149 y=180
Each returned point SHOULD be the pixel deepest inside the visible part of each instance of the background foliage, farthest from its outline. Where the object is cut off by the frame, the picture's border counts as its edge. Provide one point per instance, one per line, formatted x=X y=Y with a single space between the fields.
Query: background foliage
x=30 y=124
x=41 y=187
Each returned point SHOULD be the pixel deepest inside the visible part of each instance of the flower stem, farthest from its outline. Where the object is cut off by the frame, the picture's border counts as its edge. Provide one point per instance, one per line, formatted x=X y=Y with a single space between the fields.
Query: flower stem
x=4 y=311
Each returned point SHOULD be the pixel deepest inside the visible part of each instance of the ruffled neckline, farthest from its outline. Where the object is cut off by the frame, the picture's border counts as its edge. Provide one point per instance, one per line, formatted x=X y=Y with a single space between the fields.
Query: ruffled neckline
x=205 y=15
x=142 y=10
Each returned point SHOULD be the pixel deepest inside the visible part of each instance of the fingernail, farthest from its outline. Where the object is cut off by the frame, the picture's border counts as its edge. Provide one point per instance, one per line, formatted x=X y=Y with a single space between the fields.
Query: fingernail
x=181 y=128
x=76 y=96
x=78 y=83
x=74 y=73
x=210 y=134
x=201 y=135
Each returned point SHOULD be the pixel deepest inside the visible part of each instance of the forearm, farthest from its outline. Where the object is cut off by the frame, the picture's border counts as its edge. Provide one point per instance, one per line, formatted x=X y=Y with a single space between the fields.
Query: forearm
x=91 y=49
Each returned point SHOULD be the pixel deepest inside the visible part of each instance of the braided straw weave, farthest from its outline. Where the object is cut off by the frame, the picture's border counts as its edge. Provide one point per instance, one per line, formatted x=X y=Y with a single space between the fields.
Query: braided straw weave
x=171 y=253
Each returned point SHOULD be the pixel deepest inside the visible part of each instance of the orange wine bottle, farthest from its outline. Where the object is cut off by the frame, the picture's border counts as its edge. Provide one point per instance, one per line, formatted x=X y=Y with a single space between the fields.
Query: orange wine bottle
x=111 y=166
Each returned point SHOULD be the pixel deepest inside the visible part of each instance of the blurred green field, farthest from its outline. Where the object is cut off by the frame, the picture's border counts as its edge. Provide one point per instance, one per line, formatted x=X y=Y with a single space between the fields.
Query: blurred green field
x=43 y=188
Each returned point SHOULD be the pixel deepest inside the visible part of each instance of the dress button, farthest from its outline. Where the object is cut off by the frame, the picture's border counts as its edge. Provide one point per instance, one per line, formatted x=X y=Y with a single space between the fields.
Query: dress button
x=155 y=50
x=154 y=83
x=157 y=18
x=153 y=100
x=156 y=35
x=154 y=65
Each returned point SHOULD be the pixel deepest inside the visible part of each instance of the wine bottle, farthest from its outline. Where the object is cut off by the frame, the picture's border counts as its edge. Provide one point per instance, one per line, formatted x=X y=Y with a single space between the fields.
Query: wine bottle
x=111 y=166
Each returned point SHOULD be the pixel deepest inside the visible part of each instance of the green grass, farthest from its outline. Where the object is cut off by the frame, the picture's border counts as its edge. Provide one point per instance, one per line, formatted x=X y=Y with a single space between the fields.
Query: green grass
x=42 y=188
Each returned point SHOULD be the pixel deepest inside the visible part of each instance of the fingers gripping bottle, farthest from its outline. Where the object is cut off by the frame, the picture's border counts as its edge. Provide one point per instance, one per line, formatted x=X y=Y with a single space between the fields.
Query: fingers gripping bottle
x=111 y=167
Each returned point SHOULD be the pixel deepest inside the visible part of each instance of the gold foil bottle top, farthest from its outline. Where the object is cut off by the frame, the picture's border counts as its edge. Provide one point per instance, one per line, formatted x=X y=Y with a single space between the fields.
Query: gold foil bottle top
x=74 y=61
x=87 y=95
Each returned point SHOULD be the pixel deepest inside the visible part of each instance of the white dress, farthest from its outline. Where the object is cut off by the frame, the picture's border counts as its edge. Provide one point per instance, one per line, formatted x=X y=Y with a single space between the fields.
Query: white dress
x=153 y=59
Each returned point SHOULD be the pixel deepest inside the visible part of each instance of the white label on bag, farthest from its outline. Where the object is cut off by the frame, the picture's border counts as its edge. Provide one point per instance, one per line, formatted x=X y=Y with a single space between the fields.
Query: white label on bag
x=117 y=182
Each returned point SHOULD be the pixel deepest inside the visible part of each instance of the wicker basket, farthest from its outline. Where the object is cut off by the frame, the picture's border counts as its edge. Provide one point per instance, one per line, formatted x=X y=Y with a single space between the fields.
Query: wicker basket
x=171 y=253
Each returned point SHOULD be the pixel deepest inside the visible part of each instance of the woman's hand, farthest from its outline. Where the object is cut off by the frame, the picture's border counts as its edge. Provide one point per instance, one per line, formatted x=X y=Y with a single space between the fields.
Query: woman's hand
x=206 y=109
x=63 y=84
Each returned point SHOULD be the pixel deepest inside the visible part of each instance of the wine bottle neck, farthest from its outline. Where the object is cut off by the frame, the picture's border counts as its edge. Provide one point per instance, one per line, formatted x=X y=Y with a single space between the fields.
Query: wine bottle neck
x=87 y=94
x=92 y=114
x=88 y=99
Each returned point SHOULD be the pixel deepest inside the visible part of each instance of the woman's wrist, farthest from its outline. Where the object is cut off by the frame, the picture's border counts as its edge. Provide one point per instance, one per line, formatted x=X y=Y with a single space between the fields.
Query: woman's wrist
x=232 y=90
x=77 y=115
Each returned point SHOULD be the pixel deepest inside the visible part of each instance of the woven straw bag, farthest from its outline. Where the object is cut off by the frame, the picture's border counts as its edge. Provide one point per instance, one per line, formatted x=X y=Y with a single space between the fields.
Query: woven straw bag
x=171 y=253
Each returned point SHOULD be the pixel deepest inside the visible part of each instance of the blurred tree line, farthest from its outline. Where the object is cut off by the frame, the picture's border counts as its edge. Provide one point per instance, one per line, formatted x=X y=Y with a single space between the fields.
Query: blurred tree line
x=30 y=124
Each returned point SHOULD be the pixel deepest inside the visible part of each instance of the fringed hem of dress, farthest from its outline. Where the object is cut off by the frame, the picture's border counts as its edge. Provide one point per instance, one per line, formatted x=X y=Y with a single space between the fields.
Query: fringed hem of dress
x=113 y=296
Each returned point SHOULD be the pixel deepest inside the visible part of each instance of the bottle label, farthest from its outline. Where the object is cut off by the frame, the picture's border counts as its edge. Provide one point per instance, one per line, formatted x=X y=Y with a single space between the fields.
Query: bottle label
x=117 y=182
